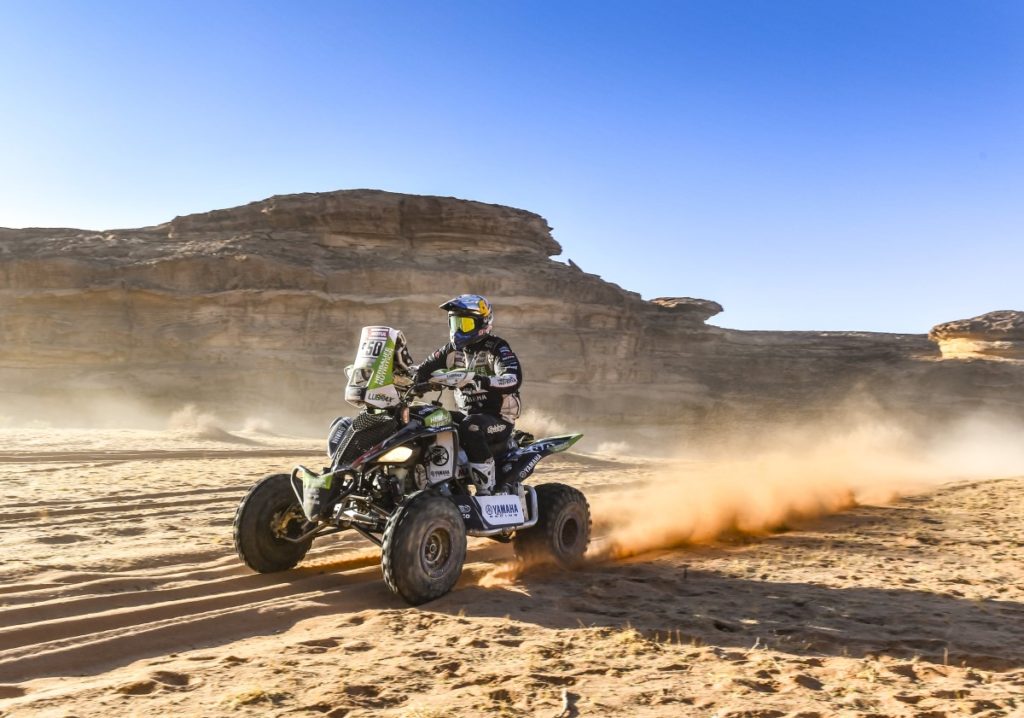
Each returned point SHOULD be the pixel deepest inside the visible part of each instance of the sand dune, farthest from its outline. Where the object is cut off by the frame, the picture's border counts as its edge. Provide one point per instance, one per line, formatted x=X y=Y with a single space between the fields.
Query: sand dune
x=120 y=594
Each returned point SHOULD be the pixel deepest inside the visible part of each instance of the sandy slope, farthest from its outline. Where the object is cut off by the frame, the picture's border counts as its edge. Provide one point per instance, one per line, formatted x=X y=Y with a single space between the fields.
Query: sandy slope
x=120 y=594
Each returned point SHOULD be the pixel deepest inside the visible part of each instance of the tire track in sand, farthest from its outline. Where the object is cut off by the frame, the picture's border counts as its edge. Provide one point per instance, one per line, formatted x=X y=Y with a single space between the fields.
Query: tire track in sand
x=86 y=635
x=144 y=504
x=125 y=582
x=69 y=457
x=93 y=642
x=116 y=499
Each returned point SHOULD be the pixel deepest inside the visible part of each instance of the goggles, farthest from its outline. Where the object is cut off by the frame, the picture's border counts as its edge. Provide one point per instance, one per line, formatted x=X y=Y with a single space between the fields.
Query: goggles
x=462 y=325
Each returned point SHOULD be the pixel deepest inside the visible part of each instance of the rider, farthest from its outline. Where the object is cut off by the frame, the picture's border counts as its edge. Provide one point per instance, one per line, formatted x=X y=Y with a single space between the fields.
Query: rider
x=490 y=393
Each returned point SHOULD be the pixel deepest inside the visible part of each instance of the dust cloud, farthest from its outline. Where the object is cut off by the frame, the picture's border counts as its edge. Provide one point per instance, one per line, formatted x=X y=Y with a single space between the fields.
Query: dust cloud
x=86 y=410
x=799 y=474
x=540 y=424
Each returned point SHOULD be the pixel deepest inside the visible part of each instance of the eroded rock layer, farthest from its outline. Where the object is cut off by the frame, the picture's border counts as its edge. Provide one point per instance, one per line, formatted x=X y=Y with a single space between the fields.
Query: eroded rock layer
x=257 y=308
x=996 y=334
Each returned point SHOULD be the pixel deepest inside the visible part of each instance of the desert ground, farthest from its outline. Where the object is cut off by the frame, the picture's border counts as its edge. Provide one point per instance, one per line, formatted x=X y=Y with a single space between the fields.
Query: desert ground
x=708 y=594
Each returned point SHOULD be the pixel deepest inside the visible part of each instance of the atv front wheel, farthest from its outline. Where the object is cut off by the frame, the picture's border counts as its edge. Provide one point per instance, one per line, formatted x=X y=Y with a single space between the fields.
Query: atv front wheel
x=424 y=548
x=562 y=533
x=269 y=513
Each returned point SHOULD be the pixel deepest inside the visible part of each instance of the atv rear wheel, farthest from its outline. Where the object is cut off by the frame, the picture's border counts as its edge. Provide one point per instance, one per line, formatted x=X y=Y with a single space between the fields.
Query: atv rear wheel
x=424 y=548
x=267 y=514
x=562 y=533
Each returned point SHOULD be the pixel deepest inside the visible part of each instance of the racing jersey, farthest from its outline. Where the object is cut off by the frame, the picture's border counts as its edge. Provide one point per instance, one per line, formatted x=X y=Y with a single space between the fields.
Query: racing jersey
x=498 y=373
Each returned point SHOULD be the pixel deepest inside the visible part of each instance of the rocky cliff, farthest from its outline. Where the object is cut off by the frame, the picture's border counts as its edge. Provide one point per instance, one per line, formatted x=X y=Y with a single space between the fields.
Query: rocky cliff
x=996 y=334
x=258 y=308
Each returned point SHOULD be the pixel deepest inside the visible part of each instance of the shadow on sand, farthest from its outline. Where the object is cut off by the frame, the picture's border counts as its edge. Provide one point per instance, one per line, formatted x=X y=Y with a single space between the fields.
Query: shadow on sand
x=654 y=595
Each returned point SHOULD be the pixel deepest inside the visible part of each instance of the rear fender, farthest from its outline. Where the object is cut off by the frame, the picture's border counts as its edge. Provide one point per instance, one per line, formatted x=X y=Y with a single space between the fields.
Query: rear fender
x=521 y=462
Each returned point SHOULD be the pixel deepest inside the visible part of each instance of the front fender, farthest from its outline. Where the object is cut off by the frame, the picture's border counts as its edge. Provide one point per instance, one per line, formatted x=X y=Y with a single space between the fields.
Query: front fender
x=316 y=491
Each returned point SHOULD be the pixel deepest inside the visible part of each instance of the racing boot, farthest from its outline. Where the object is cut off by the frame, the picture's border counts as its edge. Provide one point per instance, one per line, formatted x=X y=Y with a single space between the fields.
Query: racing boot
x=483 y=477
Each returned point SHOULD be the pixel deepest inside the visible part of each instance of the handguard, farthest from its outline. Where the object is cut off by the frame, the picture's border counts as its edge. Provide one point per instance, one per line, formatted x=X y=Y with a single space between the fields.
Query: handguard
x=453 y=379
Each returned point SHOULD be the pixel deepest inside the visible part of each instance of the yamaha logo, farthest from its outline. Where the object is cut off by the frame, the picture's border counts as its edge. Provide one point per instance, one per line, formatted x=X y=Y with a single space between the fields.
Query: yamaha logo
x=439 y=456
x=501 y=511
x=529 y=466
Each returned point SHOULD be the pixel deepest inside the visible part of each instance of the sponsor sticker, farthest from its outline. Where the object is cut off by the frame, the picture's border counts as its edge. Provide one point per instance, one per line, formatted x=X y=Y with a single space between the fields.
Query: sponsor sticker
x=501 y=510
x=528 y=469
x=439 y=456
x=438 y=418
x=382 y=373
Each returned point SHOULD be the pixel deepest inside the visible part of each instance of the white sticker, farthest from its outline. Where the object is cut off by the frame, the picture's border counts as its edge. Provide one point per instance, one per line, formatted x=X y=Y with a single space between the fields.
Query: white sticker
x=444 y=446
x=501 y=510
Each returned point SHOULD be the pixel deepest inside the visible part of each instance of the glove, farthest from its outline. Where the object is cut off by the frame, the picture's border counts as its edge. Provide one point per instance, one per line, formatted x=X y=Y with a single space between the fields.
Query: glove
x=419 y=376
x=452 y=379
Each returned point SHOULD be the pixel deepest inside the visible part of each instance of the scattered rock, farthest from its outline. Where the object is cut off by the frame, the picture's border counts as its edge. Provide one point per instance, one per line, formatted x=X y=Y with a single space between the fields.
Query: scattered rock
x=500 y=695
x=362 y=691
x=136 y=688
x=906 y=670
x=808 y=682
x=171 y=678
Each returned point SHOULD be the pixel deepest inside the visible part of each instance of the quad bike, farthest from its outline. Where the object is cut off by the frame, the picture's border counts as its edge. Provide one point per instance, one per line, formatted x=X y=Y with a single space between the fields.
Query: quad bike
x=398 y=478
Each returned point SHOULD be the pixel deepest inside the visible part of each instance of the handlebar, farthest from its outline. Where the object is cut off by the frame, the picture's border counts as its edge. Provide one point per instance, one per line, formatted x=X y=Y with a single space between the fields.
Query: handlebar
x=422 y=388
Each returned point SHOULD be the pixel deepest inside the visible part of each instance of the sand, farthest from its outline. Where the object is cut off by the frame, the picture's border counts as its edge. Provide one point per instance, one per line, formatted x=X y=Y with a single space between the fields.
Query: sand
x=120 y=594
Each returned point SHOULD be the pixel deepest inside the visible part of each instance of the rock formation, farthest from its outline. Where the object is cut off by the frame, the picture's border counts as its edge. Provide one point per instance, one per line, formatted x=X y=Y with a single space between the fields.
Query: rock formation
x=996 y=334
x=257 y=309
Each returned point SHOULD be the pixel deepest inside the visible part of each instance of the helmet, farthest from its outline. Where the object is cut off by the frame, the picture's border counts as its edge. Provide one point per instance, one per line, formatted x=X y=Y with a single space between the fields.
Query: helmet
x=469 y=319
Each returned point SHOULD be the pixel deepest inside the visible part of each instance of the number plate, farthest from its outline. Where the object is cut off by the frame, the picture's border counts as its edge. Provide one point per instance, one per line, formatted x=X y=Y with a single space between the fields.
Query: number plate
x=500 y=510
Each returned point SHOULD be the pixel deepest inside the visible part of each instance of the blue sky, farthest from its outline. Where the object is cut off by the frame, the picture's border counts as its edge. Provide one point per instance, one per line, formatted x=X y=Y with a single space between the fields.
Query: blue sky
x=810 y=165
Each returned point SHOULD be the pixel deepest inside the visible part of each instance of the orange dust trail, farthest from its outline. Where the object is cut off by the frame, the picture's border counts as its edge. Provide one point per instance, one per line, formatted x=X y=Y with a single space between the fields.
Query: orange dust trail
x=795 y=474
x=804 y=473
